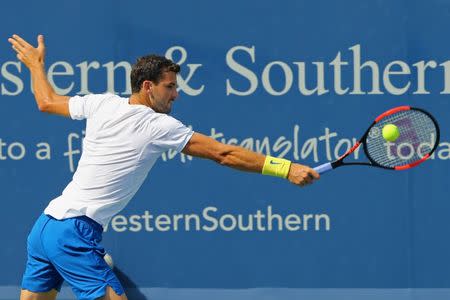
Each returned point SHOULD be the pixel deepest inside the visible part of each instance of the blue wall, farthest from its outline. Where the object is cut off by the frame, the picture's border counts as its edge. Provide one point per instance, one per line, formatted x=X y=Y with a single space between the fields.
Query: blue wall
x=296 y=79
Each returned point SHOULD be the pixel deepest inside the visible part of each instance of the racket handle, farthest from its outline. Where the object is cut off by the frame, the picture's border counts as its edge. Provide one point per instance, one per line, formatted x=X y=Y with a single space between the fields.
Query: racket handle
x=323 y=168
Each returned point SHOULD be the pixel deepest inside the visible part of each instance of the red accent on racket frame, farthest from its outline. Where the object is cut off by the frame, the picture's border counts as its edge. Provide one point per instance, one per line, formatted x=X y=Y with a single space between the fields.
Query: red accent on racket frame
x=391 y=112
x=351 y=150
x=406 y=167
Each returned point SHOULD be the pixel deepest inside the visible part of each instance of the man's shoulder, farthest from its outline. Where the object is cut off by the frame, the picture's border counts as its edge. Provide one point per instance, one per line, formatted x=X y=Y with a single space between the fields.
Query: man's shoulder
x=164 y=122
x=109 y=100
x=100 y=97
x=110 y=97
x=162 y=117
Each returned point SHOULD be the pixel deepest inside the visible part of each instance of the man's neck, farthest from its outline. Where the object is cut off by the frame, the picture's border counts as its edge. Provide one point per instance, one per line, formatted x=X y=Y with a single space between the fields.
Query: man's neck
x=137 y=99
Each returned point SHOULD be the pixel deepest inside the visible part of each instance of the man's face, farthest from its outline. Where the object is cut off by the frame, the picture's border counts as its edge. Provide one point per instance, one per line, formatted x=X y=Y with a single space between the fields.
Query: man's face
x=164 y=93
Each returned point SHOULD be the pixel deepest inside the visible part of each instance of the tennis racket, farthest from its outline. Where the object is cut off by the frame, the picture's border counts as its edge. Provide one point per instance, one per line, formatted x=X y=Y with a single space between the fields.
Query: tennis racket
x=417 y=140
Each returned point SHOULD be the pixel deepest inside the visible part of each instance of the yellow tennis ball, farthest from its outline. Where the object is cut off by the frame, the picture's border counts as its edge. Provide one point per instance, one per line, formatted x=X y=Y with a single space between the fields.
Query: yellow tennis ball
x=390 y=132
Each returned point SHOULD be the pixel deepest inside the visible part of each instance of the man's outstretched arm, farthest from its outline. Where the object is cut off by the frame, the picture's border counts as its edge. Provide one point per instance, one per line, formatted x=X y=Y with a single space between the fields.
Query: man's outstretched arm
x=240 y=158
x=46 y=98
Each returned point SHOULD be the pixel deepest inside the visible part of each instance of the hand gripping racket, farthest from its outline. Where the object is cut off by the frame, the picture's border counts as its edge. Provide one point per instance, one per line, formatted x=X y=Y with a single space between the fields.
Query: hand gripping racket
x=417 y=140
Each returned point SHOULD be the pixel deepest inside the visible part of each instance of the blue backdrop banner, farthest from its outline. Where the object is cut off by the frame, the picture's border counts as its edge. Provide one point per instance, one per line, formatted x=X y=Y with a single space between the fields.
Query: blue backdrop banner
x=300 y=80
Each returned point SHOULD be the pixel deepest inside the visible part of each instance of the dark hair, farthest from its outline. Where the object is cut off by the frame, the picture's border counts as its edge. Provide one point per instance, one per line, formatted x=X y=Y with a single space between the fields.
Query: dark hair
x=150 y=67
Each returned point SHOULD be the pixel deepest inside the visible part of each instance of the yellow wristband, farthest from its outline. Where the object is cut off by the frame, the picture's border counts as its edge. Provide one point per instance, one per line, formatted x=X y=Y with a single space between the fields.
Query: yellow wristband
x=278 y=167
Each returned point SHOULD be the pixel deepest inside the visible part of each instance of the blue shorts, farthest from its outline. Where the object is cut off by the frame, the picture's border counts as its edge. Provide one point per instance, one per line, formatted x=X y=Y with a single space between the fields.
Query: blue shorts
x=68 y=250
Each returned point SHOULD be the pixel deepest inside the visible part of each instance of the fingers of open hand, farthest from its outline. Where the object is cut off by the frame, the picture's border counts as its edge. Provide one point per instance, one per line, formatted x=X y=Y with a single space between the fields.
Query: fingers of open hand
x=15 y=49
x=21 y=41
x=22 y=48
x=15 y=45
x=19 y=55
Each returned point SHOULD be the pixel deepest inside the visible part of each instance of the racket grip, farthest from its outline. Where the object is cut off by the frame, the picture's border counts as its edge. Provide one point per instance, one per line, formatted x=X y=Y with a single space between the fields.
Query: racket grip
x=323 y=168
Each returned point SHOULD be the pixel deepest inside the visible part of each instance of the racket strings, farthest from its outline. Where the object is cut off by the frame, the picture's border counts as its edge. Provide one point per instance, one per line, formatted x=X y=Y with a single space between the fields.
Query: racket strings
x=418 y=135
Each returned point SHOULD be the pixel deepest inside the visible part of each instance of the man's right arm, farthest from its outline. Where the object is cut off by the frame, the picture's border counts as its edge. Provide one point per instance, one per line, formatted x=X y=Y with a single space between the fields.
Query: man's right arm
x=242 y=159
x=46 y=97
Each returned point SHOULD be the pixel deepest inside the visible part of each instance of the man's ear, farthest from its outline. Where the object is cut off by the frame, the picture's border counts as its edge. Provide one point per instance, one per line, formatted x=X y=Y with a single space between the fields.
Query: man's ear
x=147 y=85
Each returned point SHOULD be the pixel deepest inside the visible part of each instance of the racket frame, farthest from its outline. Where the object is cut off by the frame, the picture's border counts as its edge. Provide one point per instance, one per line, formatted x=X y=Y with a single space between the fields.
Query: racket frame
x=362 y=141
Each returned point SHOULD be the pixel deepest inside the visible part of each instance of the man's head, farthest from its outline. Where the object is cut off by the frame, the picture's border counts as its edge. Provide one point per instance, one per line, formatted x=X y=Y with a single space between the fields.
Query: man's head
x=154 y=78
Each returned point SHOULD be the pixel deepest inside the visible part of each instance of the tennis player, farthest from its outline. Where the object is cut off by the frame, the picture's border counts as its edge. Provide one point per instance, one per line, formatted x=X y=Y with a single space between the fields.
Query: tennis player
x=124 y=138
